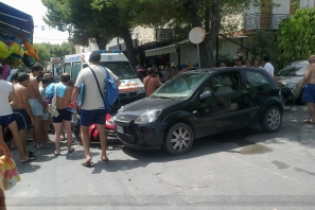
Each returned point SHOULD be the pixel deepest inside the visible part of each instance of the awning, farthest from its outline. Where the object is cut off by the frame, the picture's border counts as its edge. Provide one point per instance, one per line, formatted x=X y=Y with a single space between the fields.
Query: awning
x=14 y=23
x=161 y=51
x=165 y=50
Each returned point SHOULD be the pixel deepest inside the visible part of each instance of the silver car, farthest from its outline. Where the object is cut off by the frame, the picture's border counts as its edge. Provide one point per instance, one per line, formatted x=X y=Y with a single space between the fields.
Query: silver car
x=291 y=76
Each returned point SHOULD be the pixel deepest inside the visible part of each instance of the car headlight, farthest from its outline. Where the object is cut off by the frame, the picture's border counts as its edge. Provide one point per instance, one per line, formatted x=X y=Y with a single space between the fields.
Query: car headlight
x=148 y=117
x=291 y=86
x=141 y=90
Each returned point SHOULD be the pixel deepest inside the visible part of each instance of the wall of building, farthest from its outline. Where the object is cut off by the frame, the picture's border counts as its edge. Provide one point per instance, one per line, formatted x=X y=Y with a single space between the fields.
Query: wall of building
x=83 y=49
x=307 y=3
x=252 y=9
x=283 y=8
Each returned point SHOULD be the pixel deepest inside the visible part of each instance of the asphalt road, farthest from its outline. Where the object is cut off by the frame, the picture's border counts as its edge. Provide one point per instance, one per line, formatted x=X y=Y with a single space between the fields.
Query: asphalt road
x=245 y=169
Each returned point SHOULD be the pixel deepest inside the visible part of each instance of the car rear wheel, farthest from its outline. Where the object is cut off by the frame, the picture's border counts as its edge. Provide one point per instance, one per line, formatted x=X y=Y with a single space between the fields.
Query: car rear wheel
x=272 y=119
x=179 y=139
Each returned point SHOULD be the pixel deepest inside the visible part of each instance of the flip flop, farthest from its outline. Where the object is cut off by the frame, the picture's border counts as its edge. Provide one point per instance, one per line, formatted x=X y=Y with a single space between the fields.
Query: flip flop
x=44 y=146
x=87 y=163
x=309 y=121
x=28 y=160
x=104 y=159
x=71 y=151
x=29 y=140
x=63 y=139
x=31 y=154
x=55 y=154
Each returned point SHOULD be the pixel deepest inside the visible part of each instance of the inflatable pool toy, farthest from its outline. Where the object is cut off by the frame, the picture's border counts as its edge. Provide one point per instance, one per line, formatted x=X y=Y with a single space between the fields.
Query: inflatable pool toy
x=6 y=51
x=29 y=61
x=31 y=51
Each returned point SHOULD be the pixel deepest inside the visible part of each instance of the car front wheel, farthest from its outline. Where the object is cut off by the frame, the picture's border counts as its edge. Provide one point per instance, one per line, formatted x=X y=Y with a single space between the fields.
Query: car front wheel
x=179 y=139
x=272 y=119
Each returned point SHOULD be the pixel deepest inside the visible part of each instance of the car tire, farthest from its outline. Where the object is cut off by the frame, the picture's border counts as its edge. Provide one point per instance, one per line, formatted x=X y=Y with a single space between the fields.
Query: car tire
x=272 y=119
x=179 y=139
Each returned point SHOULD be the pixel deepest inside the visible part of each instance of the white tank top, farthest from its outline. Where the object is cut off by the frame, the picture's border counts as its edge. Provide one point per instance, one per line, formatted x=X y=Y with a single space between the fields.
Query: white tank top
x=6 y=89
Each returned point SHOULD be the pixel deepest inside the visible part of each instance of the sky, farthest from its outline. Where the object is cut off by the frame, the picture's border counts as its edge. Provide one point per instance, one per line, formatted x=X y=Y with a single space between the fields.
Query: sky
x=37 y=10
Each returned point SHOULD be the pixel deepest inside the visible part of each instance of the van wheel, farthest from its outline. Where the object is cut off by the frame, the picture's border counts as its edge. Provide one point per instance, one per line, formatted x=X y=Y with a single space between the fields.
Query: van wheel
x=179 y=139
x=272 y=119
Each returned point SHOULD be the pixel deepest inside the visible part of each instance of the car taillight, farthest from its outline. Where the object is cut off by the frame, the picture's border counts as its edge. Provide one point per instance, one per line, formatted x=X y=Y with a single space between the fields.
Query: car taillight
x=109 y=119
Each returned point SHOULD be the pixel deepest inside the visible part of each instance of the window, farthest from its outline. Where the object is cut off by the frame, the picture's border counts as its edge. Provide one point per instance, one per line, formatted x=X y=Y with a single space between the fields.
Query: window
x=294 y=69
x=182 y=86
x=68 y=68
x=256 y=79
x=76 y=68
x=123 y=70
x=224 y=83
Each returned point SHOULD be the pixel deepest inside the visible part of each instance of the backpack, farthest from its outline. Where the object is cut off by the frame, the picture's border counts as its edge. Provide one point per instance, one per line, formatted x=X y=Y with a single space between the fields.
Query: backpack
x=111 y=92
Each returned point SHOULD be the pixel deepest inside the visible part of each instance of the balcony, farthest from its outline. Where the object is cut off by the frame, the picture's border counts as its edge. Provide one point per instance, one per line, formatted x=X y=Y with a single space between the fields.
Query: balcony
x=263 y=21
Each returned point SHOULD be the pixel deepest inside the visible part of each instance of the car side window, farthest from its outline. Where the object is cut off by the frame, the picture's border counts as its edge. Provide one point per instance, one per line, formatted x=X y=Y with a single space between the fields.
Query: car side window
x=76 y=68
x=224 y=83
x=256 y=79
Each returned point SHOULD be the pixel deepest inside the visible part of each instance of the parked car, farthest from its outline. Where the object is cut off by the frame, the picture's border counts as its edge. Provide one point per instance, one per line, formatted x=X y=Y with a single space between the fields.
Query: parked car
x=200 y=103
x=291 y=76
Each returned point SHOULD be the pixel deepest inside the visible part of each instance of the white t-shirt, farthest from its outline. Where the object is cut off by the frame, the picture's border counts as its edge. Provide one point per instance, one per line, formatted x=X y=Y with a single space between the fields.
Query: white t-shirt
x=11 y=74
x=269 y=68
x=6 y=89
x=92 y=97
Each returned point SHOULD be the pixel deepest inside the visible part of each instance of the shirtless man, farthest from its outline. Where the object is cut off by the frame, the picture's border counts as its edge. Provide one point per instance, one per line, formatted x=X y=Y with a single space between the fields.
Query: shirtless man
x=309 y=90
x=36 y=103
x=7 y=118
x=63 y=94
x=22 y=110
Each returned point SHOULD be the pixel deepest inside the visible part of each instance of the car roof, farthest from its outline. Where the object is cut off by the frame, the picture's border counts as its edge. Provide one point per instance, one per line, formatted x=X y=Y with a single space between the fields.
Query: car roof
x=218 y=70
x=299 y=62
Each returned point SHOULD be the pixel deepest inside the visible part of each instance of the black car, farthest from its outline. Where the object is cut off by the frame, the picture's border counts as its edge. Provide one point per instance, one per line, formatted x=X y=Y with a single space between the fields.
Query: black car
x=200 y=103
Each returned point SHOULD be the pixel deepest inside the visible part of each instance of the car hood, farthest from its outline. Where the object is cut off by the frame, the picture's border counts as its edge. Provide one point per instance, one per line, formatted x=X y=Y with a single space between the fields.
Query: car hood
x=134 y=110
x=289 y=79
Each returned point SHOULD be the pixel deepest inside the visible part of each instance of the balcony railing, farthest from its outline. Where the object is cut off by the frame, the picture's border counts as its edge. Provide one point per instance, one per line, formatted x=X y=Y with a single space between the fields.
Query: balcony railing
x=263 y=21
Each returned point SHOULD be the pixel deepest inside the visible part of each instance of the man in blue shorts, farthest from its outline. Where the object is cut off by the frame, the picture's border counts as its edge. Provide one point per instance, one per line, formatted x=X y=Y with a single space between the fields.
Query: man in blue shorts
x=7 y=118
x=309 y=89
x=63 y=94
x=92 y=110
x=22 y=110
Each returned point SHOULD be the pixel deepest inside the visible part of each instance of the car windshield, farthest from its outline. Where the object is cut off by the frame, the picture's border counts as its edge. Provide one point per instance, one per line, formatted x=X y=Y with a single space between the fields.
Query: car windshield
x=181 y=87
x=123 y=70
x=294 y=69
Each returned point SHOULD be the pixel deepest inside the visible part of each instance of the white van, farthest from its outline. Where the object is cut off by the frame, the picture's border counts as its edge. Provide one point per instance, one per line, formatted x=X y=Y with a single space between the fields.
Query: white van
x=131 y=87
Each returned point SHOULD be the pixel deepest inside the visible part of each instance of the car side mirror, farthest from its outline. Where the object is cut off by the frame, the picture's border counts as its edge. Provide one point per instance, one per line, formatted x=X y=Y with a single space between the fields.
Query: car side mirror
x=206 y=94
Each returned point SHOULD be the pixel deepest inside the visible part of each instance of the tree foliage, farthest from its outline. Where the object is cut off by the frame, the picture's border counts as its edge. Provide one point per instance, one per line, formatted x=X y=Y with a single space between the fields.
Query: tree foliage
x=296 y=39
x=262 y=43
x=82 y=22
x=213 y=15
x=108 y=18
x=46 y=51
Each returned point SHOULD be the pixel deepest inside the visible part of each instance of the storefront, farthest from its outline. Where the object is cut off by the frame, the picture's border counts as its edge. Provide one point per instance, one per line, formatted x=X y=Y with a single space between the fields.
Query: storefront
x=178 y=54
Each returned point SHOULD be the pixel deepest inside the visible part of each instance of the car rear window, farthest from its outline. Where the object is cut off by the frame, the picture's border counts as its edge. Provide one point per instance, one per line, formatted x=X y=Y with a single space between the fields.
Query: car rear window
x=294 y=69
